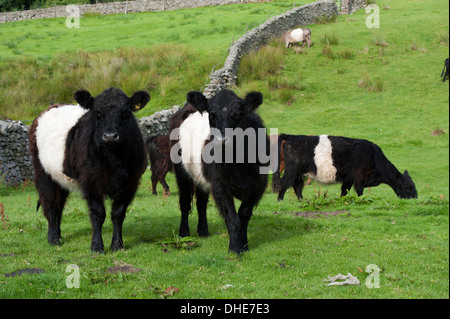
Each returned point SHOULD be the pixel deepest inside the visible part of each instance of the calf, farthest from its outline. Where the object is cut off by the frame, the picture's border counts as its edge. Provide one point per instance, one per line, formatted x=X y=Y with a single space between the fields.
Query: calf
x=158 y=147
x=332 y=159
x=445 y=70
x=94 y=147
x=225 y=178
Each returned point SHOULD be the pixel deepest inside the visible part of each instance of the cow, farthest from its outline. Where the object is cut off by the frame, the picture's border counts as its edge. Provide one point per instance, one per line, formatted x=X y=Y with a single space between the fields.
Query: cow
x=191 y=128
x=444 y=73
x=94 y=147
x=158 y=147
x=297 y=36
x=337 y=159
x=276 y=181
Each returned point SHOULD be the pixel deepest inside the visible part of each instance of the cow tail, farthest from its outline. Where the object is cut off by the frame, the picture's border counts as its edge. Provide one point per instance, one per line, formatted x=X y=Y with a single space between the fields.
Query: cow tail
x=38 y=204
x=276 y=179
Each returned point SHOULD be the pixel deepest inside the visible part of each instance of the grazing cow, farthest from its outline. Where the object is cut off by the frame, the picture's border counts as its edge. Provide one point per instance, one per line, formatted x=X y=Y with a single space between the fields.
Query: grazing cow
x=445 y=70
x=94 y=147
x=332 y=159
x=191 y=129
x=276 y=181
x=158 y=147
x=297 y=36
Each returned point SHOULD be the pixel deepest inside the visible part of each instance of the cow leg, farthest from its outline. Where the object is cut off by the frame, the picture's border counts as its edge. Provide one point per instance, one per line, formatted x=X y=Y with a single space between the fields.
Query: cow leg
x=163 y=182
x=185 y=192
x=345 y=188
x=52 y=198
x=225 y=204
x=245 y=213
x=154 y=182
x=288 y=180
x=359 y=186
x=202 y=202
x=118 y=212
x=97 y=215
x=298 y=187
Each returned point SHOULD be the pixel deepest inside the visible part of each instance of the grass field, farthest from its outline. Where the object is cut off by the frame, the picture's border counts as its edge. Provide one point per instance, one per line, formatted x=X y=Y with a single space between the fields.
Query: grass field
x=378 y=84
x=167 y=53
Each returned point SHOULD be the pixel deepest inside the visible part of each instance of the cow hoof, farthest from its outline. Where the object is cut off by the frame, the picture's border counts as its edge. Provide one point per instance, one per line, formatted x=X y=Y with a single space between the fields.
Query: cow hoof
x=116 y=247
x=184 y=233
x=97 y=249
x=244 y=248
x=203 y=233
x=54 y=241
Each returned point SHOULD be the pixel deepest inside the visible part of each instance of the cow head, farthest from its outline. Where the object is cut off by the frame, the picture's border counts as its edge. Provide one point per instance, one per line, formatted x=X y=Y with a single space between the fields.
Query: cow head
x=406 y=187
x=112 y=112
x=225 y=109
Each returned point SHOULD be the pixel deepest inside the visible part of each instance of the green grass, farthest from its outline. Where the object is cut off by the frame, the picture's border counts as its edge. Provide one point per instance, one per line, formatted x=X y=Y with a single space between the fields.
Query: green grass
x=105 y=51
x=388 y=93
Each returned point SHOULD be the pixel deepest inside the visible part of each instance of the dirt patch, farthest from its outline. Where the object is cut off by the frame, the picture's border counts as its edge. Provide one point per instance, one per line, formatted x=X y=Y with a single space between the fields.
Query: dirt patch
x=122 y=267
x=317 y=214
x=437 y=132
x=25 y=271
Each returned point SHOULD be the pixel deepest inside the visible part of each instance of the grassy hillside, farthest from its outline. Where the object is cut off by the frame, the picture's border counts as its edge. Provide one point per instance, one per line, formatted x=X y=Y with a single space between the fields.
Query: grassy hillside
x=379 y=84
x=174 y=52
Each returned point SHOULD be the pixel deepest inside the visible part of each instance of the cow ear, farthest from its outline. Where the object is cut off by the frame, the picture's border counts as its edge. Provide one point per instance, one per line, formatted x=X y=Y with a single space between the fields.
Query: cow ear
x=406 y=173
x=253 y=100
x=84 y=98
x=198 y=100
x=139 y=100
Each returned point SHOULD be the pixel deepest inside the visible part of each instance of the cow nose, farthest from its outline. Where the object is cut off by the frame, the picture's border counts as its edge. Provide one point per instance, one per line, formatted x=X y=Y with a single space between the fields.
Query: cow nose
x=110 y=137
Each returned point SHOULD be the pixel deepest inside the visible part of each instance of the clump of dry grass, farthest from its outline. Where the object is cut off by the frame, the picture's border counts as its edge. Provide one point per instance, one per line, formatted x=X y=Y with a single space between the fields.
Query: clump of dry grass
x=167 y=71
x=257 y=65
x=370 y=85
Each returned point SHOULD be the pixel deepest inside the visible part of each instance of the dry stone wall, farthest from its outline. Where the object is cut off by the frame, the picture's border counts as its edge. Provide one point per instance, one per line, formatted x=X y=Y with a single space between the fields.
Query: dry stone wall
x=255 y=38
x=114 y=8
x=15 y=159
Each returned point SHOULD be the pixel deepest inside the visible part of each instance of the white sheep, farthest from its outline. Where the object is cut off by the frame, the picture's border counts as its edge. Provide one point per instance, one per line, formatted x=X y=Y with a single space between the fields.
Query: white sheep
x=297 y=36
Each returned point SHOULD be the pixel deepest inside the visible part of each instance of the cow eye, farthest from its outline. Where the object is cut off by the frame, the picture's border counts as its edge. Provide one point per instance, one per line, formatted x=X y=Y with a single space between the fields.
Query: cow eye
x=99 y=115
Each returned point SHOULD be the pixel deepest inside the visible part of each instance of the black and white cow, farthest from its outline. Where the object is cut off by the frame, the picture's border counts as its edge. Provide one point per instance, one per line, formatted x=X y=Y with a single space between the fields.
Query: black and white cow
x=95 y=147
x=333 y=159
x=225 y=179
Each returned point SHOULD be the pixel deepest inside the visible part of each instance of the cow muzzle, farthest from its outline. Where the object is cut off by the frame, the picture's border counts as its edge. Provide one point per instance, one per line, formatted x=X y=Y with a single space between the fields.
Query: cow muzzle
x=110 y=137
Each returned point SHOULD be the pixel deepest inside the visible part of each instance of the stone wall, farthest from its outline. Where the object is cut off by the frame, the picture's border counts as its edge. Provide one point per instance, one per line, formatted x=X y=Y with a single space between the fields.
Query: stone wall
x=15 y=159
x=255 y=38
x=114 y=8
x=157 y=123
x=350 y=6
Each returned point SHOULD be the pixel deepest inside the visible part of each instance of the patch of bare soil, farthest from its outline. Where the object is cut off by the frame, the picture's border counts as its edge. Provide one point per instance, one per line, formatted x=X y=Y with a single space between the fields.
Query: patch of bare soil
x=123 y=268
x=317 y=214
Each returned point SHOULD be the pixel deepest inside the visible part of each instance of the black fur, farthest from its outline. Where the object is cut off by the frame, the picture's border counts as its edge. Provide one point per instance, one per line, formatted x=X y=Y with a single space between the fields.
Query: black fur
x=228 y=180
x=105 y=154
x=359 y=163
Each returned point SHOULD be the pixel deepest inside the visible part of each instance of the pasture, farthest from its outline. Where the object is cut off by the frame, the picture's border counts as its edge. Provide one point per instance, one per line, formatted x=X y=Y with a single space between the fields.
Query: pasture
x=378 y=84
